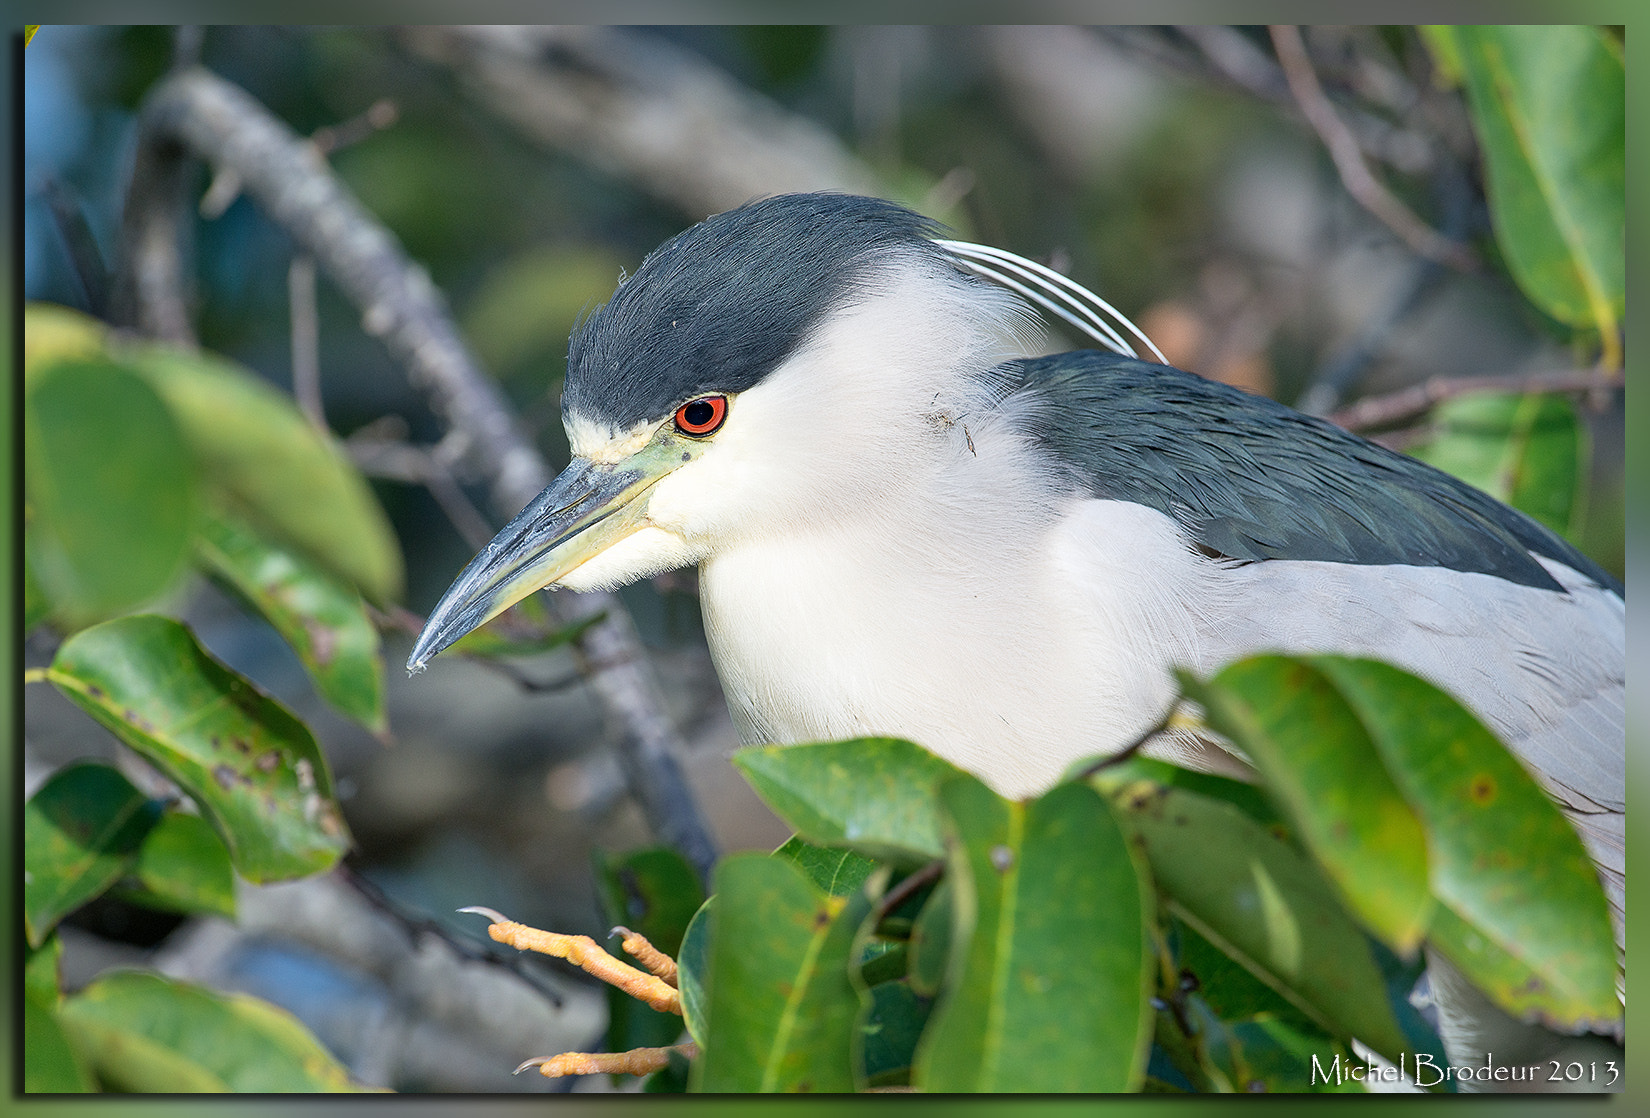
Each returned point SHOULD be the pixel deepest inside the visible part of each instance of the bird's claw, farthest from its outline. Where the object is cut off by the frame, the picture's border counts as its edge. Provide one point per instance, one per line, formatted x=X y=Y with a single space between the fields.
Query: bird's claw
x=657 y=989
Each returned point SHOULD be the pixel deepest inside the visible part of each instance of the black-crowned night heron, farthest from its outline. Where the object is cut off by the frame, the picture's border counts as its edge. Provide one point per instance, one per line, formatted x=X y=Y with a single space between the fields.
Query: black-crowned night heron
x=908 y=521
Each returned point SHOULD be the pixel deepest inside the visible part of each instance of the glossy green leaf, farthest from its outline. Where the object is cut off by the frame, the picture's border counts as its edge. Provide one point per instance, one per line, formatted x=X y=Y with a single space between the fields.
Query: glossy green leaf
x=1257 y=1039
x=782 y=1010
x=1263 y=904
x=111 y=486
x=1321 y=767
x=1527 y=450
x=1226 y=986
x=253 y=768
x=930 y=944
x=1527 y=922
x=1248 y=798
x=184 y=866
x=874 y=795
x=146 y=1033
x=692 y=972
x=50 y=1063
x=654 y=892
x=1266 y=1054
x=42 y=972
x=890 y=1032
x=832 y=869
x=53 y=333
x=81 y=832
x=324 y=620
x=265 y=462
x=1549 y=103
x=1050 y=962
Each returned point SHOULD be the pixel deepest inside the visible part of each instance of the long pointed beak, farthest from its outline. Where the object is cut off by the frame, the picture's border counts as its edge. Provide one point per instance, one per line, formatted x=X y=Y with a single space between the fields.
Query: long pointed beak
x=586 y=510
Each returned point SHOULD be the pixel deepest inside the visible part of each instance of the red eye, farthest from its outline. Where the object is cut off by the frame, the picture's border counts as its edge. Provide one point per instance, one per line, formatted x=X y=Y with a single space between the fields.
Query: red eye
x=702 y=416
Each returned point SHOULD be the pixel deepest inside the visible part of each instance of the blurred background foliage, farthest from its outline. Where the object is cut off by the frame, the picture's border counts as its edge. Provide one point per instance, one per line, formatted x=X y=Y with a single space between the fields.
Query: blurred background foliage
x=1171 y=171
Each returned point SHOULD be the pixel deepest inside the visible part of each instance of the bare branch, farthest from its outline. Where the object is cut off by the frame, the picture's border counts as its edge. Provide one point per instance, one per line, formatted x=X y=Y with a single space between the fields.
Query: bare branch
x=1396 y=407
x=401 y=461
x=153 y=285
x=638 y=107
x=1359 y=180
x=196 y=112
x=335 y=138
x=85 y=261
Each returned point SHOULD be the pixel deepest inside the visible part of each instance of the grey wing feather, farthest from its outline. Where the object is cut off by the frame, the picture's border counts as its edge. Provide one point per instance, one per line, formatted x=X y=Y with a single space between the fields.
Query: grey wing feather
x=1251 y=479
x=1335 y=537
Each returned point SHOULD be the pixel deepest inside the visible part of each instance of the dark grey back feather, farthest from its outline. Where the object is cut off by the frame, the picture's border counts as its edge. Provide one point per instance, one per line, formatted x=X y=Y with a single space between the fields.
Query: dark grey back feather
x=716 y=308
x=1252 y=479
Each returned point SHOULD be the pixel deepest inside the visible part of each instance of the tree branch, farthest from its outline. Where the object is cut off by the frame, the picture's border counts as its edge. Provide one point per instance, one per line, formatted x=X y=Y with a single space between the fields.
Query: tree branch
x=1383 y=411
x=646 y=111
x=1359 y=180
x=195 y=112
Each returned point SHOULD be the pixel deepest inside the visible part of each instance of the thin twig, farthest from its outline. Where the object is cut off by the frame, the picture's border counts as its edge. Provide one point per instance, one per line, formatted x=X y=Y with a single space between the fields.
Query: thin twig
x=416 y=926
x=85 y=261
x=907 y=888
x=1170 y=717
x=333 y=138
x=402 y=461
x=398 y=619
x=1359 y=180
x=1395 y=407
x=306 y=339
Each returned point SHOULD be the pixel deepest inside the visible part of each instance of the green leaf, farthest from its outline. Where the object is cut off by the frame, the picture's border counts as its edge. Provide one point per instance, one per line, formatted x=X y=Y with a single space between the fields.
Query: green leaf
x=53 y=333
x=1529 y=450
x=1050 y=965
x=1270 y=1055
x=693 y=970
x=654 y=892
x=1227 y=987
x=1248 y=798
x=183 y=866
x=50 y=1063
x=1264 y=1042
x=930 y=943
x=323 y=619
x=783 y=1011
x=1263 y=904
x=1324 y=771
x=832 y=869
x=1527 y=921
x=42 y=972
x=873 y=795
x=1446 y=58
x=1549 y=104
x=253 y=768
x=267 y=463
x=146 y=1033
x=81 y=832
x=112 y=489
x=892 y=1027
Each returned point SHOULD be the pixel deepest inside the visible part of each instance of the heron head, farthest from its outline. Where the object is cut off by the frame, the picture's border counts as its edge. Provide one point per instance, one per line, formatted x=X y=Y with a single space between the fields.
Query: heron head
x=769 y=365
